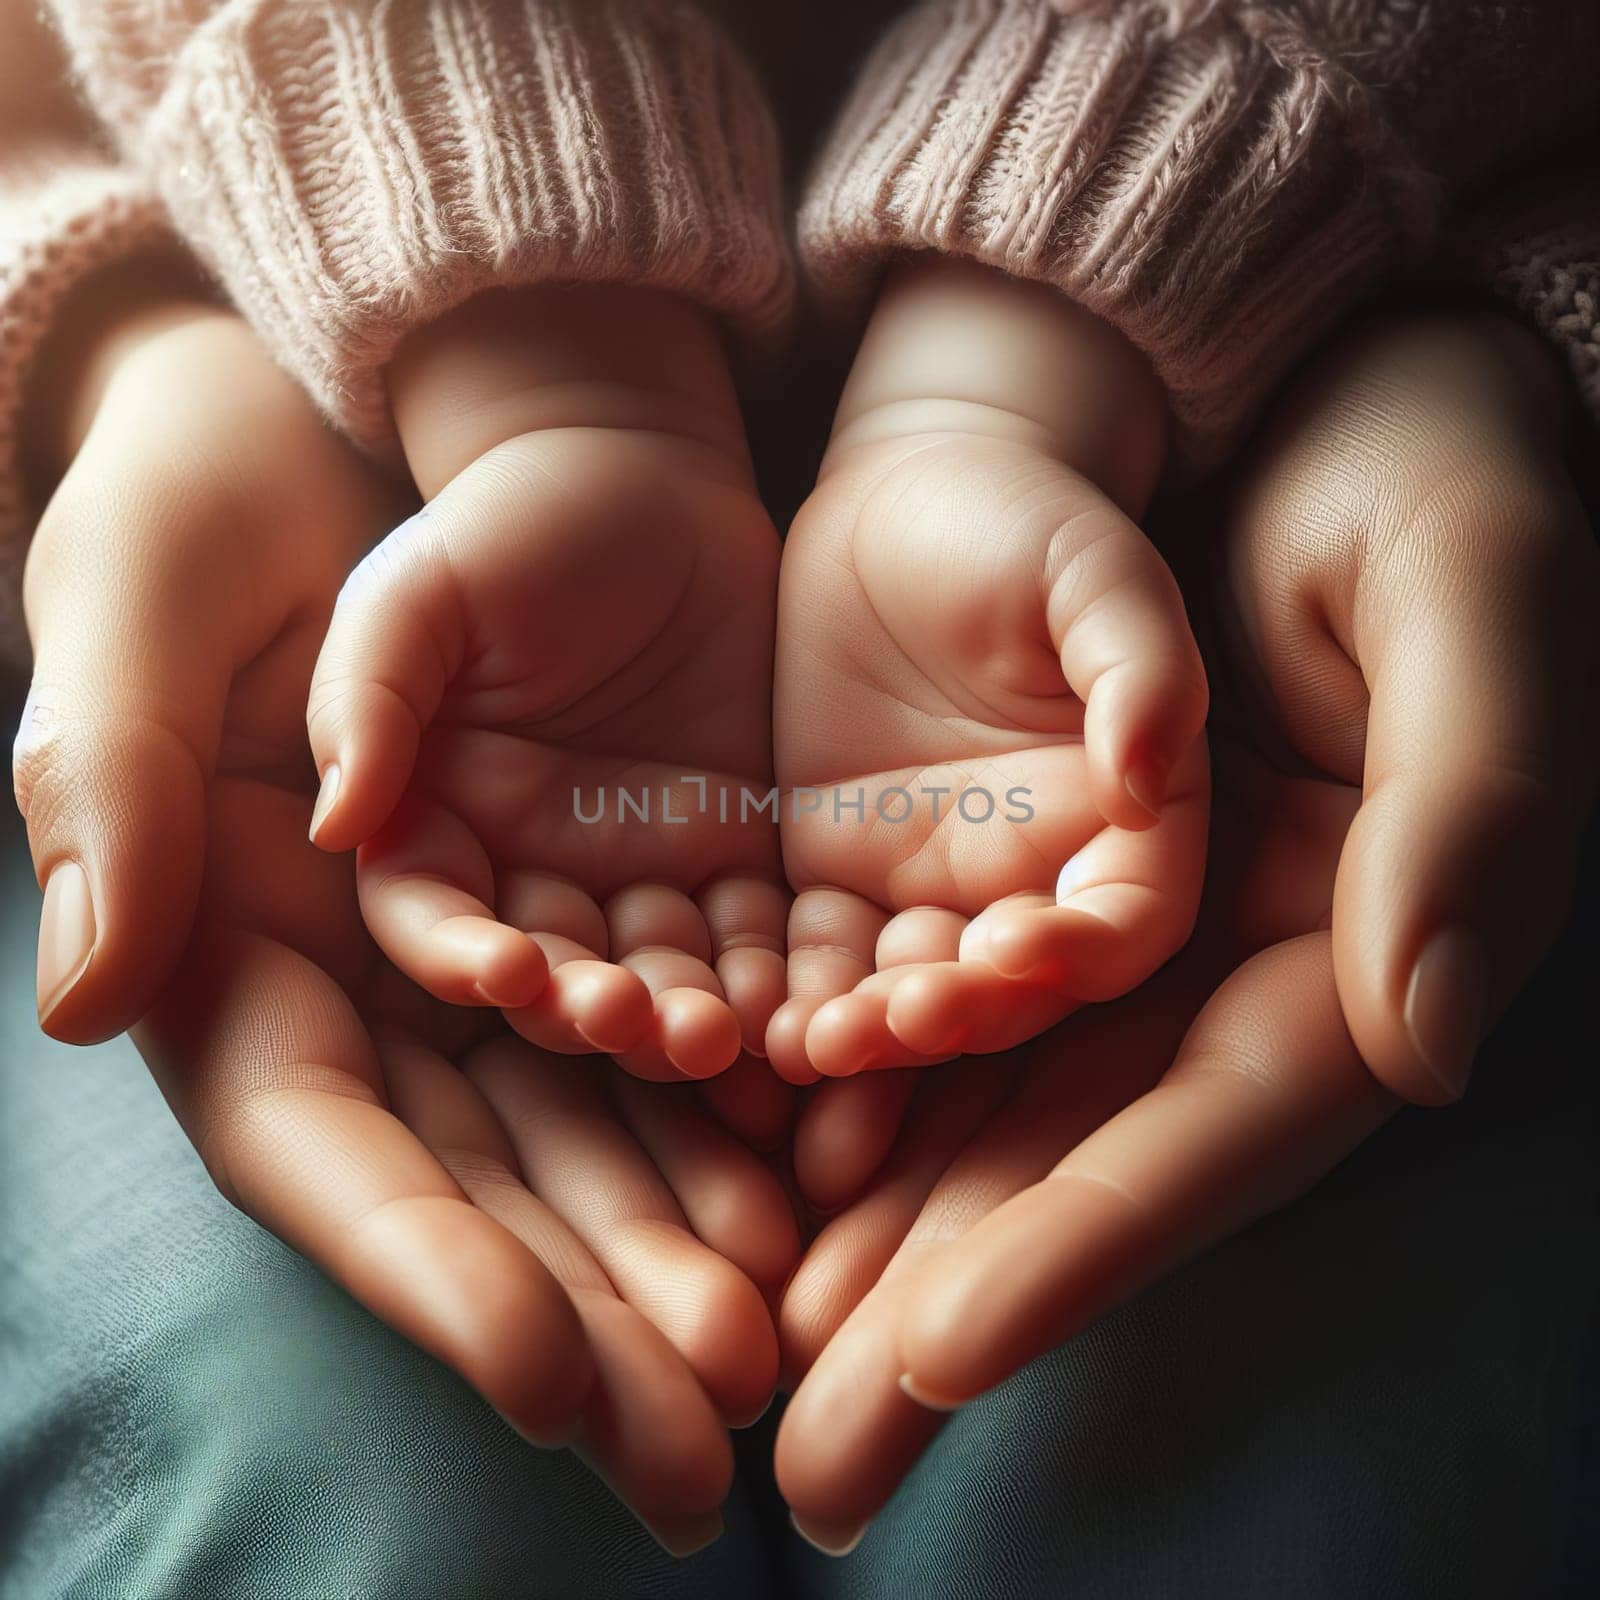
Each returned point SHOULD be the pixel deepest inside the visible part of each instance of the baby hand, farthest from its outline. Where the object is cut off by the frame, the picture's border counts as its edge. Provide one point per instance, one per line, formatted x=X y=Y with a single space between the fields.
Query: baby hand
x=989 y=705
x=543 y=707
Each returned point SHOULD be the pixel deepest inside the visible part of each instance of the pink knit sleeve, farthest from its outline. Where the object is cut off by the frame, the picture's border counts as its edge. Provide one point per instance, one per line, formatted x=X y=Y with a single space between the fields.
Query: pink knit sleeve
x=66 y=209
x=1536 y=247
x=352 y=169
x=1219 y=179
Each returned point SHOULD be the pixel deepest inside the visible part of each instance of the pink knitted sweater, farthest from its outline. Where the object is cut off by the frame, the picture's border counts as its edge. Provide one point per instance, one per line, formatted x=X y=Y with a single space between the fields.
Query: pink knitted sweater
x=1218 y=178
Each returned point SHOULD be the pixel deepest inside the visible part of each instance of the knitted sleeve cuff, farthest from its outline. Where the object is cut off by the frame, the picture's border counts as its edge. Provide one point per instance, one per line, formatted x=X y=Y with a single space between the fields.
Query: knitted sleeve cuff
x=1537 y=249
x=352 y=172
x=79 y=215
x=1203 y=178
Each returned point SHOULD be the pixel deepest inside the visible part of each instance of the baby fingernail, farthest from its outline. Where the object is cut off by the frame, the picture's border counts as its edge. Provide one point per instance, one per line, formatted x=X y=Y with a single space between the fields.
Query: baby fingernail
x=831 y=1538
x=66 y=935
x=1446 y=1006
x=1147 y=783
x=326 y=796
x=683 y=1539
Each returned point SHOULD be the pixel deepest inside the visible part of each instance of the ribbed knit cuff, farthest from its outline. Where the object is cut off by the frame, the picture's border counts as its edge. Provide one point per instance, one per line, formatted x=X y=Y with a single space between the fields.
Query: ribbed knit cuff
x=351 y=173
x=78 y=217
x=1217 y=189
x=1537 y=249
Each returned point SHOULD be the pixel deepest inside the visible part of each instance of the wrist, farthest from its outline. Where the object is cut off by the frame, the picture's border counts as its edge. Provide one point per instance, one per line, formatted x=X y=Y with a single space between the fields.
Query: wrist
x=511 y=362
x=108 y=317
x=952 y=345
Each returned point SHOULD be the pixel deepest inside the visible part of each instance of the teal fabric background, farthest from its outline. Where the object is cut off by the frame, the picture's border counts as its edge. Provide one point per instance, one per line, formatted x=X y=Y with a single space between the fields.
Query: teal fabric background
x=1373 y=1393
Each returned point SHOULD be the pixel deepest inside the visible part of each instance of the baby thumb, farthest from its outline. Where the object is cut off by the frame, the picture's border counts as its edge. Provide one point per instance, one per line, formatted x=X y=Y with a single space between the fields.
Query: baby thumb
x=1117 y=618
x=391 y=649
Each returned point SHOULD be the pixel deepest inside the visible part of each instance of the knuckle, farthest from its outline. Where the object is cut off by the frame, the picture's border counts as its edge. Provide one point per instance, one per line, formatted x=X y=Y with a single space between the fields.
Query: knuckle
x=1492 y=516
x=79 y=766
x=47 y=766
x=31 y=751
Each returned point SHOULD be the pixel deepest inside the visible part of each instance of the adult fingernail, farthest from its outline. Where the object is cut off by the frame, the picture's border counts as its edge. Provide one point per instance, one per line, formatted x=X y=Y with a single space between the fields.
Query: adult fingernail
x=685 y=1538
x=1446 y=1006
x=556 y=1440
x=750 y=1418
x=326 y=795
x=66 y=935
x=926 y=1398
x=831 y=1538
x=1147 y=783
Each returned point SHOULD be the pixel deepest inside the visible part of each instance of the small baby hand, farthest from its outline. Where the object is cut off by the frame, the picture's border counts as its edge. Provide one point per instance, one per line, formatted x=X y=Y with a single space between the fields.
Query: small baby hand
x=989 y=704
x=544 y=701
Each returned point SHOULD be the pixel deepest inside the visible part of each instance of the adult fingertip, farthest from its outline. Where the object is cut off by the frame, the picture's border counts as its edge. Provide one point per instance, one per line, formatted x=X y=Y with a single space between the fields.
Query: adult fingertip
x=1446 y=1007
x=751 y=1417
x=557 y=1437
x=113 y=793
x=459 y=1284
x=837 y=1539
x=687 y=1536
x=928 y=1399
x=67 y=936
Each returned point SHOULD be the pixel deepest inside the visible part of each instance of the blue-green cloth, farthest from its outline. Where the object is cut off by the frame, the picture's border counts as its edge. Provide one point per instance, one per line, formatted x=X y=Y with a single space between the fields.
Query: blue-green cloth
x=1372 y=1394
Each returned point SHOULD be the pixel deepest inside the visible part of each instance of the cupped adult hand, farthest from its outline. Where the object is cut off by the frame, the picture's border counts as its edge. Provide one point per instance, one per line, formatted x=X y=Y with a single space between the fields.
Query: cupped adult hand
x=1405 y=649
x=586 y=1251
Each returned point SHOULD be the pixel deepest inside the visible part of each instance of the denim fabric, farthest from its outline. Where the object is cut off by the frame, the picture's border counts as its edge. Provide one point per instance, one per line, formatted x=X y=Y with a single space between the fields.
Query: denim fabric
x=1370 y=1394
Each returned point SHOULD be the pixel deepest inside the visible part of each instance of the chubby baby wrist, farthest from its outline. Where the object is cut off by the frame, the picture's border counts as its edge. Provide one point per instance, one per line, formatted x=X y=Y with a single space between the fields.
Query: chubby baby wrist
x=958 y=346
x=514 y=362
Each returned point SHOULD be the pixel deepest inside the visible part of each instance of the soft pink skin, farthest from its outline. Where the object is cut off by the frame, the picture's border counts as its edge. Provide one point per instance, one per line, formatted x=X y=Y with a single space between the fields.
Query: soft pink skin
x=966 y=604
x=1409 y=625
x=591 y=1253
x=584 y=609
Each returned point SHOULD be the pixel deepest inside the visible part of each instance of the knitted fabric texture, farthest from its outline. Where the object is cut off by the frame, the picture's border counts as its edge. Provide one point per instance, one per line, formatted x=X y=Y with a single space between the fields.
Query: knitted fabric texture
x=351 y=171
x=1217 y=180
x=1537 y=249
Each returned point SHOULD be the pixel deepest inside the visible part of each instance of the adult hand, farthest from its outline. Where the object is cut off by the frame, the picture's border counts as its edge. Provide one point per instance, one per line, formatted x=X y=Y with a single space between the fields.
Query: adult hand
x=580 y=1248
x=1410 y=597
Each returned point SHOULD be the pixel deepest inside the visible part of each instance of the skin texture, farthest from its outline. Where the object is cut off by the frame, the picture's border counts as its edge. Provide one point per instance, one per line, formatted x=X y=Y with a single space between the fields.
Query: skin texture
x=979 y=649
x=1410 y=497
x=592 y=1253
x=583 y=611
x=1405 y=555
